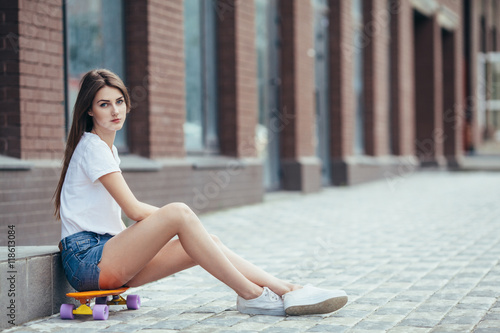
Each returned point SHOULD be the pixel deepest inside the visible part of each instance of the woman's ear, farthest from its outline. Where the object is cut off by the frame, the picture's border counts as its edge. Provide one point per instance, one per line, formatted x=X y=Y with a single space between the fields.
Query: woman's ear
x=90 y=113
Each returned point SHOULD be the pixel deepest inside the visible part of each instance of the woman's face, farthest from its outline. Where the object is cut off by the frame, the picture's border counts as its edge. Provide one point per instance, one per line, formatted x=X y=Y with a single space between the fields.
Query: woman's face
x=108 y=110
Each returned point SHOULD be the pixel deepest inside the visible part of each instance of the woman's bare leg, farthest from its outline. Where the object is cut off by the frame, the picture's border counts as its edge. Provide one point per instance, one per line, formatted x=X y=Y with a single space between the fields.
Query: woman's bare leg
x=173 y=258
x=129 y=252
x=256 y=274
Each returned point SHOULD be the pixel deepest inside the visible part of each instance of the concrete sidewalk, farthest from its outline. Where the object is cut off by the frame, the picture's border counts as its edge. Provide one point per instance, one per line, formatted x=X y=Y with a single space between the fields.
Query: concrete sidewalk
x=416 y=253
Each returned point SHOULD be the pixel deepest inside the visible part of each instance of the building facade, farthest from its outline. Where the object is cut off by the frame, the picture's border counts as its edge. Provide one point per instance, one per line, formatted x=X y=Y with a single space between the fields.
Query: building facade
x=233 y=98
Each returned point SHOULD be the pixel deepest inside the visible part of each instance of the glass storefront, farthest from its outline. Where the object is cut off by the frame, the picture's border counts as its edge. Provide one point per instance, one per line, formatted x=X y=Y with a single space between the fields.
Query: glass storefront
x=268 y=82
x=321 y=70
x=94 y=31
x=200 y=128
x=357 y=17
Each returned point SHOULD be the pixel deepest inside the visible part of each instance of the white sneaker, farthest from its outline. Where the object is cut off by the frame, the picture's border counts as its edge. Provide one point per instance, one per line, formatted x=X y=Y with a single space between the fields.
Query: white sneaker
x=268 y=303
x=312 y=300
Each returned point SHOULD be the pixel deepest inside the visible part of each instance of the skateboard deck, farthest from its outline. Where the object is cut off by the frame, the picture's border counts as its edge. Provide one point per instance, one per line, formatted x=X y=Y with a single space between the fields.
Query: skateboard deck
x=100 y=311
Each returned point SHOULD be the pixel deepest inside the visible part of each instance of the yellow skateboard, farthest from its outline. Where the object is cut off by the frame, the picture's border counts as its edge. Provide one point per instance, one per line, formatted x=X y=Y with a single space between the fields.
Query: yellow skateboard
x=100 y=311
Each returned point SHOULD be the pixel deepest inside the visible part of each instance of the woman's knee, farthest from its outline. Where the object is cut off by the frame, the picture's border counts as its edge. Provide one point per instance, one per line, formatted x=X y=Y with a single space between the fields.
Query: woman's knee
x=176 y=210
x=178 y=213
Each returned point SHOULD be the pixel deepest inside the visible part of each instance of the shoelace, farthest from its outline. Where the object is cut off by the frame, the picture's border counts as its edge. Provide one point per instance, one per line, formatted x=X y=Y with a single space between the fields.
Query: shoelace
x=272 y=296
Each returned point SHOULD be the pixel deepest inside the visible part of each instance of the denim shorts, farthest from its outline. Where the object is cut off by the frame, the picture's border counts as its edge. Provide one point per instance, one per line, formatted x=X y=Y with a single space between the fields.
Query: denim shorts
x=81 y=253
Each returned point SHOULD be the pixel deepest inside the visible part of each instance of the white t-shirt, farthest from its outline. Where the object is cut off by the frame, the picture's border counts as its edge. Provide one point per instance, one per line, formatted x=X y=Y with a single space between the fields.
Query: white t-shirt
x=86 y=205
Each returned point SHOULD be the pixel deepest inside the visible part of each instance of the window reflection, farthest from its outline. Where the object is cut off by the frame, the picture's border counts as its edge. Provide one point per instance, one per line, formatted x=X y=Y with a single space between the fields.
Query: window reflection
x=94 y=39
x=200 y=127
x=357 y=17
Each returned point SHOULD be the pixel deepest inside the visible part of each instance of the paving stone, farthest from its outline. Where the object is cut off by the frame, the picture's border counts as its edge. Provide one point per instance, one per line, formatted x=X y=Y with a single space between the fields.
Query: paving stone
x=419 y=322
x=422 y=319
x=198 y=329
x=328 y=328
x=387 y=318
x=461 y=320
x=225 y=319
x=486 y=330
x=487 y=324
x=492 y=316
x=249 y=326
x=214 y=307
x=443 y=306
x=352 y=313
x=372 y=301
x=407 y=329
x=281 y=330
x=302 y=325
x=172 y=324
x=449 y=328
x=265 y=319
x=374 y=325
x=346 y=321
x=123 y=328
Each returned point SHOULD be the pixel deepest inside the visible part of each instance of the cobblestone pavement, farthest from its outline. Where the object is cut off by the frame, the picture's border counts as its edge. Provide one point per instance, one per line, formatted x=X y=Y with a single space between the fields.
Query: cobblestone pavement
x=418 y=253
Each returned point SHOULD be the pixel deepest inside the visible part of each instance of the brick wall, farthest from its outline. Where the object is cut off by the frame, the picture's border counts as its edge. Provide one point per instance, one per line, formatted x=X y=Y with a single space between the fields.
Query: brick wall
x=155 y=72
x=246 y=79
x=304 y=80
x=166 y=77
x=25 y=201
x=237 y=76
x=201 y=189
x=33 y=113
x=342 y=102
x=297 y=74
x=376 y=85
x=402 y=89
x=301 y=169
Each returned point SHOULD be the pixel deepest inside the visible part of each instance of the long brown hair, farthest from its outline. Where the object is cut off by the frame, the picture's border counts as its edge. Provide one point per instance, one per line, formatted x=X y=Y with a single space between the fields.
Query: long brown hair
x=82 y=122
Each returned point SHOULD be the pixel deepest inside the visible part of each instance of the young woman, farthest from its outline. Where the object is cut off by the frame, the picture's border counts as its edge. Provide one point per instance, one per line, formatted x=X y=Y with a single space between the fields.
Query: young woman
x=99 y=252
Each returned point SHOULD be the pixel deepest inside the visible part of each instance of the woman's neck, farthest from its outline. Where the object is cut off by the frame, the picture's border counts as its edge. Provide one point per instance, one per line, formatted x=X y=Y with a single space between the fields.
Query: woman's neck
x=108 y=137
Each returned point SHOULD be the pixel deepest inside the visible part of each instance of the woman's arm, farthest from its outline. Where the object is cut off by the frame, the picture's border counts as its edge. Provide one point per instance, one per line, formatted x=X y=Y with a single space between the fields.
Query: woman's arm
x=119 y=190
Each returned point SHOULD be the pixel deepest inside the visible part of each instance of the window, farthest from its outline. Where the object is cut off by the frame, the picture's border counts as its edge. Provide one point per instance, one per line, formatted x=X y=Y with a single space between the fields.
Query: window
x=94 y=37
x=391 y=113
x=200 y=128
x=268 y=84
x=357 y=17
x=322 y=86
